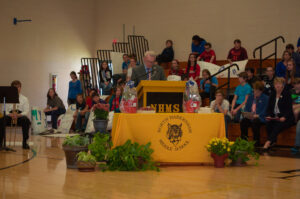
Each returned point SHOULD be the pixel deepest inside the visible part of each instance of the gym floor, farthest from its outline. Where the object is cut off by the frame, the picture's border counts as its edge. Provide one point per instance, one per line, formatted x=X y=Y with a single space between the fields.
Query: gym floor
x=41 y=173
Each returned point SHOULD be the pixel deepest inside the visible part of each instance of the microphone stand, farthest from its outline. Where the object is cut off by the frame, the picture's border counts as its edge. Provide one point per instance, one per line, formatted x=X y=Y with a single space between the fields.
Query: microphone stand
x=153 y=71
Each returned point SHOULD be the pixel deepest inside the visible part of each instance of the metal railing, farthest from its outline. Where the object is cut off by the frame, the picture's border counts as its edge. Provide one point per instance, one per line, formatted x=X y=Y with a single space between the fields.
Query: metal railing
x=104 y=55
x=139 y=45
x=260 y=49
x=228 y=80
x=122 y=47
x=90 y=74
x=136 y=45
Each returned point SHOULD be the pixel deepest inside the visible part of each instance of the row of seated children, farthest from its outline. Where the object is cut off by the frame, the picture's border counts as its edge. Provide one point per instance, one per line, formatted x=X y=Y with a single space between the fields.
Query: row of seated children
x=55 y=106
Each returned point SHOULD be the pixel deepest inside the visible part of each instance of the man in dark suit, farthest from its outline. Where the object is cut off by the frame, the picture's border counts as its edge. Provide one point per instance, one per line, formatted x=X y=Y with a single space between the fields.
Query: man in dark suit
x=148 y=71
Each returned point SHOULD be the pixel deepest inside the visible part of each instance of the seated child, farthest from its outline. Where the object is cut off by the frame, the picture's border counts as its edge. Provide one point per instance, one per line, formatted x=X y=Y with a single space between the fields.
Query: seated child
x=88 y=99
x=114 y=102
x=82 y=112
x=208 y=85
x=221 y=105
x=241 y=95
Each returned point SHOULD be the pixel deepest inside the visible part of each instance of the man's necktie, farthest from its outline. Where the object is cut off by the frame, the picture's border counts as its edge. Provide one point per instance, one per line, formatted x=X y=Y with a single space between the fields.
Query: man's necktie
x=149 y=73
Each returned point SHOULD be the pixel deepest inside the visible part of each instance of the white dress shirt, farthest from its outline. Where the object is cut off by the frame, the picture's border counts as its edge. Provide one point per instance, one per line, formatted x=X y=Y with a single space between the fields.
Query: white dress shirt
x=23 y=106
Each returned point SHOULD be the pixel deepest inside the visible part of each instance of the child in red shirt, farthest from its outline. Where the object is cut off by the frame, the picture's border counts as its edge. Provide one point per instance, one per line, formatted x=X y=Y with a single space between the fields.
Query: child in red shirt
x=208 y=54
x=175 y=70
x=88 y=99
x=193 y=69
x=237 y=53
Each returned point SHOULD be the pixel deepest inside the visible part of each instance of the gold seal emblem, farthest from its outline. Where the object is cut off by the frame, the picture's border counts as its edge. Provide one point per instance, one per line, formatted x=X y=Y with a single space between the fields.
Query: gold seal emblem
x=177 y=130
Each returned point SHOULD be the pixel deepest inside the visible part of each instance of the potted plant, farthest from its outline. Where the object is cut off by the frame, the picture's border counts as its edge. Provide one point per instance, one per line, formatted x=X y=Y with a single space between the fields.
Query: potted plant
x=86 y=161
x=219 y=149
x=241 y=152
x=131 y=157
x=101 y=115
x=100 y=146
x=72 y=146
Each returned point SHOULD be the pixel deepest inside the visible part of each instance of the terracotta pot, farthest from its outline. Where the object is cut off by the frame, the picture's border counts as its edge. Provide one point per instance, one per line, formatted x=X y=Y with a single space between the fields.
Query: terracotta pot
x=219 y=161
x=86 y=166
x=71 y=155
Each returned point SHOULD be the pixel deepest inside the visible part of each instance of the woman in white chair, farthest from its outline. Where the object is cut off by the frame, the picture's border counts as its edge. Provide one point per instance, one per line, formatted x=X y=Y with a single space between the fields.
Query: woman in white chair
x=55 y=107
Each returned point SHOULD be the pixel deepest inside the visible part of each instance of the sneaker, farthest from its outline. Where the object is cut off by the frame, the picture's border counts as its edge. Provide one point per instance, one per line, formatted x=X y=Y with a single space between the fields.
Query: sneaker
x=47 y=132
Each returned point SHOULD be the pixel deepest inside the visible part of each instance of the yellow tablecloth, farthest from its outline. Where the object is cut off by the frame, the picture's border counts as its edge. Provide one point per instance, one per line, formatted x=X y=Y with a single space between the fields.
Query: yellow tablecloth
x=175 y=137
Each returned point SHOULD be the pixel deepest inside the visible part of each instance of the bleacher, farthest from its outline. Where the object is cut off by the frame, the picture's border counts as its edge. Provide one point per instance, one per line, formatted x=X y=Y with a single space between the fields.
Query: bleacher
x=138 y=45
x=286 y=138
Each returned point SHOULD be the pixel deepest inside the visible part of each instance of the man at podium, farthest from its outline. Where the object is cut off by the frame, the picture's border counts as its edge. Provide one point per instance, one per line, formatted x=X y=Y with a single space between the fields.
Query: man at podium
x=148 y=71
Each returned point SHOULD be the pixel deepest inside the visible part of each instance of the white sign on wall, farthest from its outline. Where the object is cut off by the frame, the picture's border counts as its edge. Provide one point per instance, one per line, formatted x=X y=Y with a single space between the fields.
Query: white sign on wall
x=213 y=68
x=117 y=60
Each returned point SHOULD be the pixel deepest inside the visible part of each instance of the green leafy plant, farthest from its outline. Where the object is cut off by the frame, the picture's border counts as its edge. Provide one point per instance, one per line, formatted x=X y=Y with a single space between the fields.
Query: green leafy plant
x=86 y=157
x=100 y=146
x=101 y=111
x=244 y=150
x=76 y=140
x=131 y=157
x=219 y=146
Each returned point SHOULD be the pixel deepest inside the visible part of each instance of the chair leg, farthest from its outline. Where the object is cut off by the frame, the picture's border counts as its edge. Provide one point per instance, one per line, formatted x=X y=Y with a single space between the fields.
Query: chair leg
x=10 y=132
x=15 y=136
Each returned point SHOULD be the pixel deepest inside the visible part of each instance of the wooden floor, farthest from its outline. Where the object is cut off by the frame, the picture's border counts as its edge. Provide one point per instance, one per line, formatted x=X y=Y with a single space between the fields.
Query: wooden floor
x=45 y=176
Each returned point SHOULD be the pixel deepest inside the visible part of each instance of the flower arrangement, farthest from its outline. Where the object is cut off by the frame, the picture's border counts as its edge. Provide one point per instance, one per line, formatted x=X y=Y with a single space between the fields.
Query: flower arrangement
x=101 y=111
x=219 y=146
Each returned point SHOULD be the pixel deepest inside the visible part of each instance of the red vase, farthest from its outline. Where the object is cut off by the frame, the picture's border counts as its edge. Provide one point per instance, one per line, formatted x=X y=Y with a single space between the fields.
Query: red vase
x=219 y=161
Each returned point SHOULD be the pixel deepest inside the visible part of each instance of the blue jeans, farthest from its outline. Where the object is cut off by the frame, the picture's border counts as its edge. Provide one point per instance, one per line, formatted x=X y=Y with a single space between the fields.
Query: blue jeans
x=79 y=120
x=54 y=116
x=106 y=89
x=297 y=140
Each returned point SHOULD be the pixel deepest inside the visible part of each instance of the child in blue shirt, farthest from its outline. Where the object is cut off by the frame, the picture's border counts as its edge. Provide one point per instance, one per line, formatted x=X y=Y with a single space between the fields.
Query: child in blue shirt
x=197 y=45
x=241 y=95
x=208 y=84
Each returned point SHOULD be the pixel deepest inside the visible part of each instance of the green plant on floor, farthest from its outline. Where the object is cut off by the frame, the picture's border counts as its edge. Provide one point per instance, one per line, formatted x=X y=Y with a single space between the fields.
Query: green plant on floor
x=100 y=146
x=76 y=140
x=244 y=150
x=131 y=157
x=86 y=157
x=101 y=111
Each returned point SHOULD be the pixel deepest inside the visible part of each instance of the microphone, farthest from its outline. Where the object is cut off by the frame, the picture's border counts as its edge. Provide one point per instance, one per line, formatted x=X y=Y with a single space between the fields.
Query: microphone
x=153 y=72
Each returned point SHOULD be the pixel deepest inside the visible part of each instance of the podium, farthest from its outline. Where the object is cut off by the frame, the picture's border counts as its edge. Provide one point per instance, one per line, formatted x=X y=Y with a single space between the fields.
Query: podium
x=163 y=96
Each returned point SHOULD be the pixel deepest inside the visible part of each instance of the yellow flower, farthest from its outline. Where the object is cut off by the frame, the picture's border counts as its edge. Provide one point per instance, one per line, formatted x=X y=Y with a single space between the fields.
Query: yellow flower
x=228 y=149
x=231 y=143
